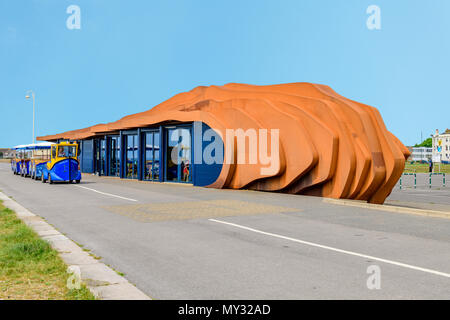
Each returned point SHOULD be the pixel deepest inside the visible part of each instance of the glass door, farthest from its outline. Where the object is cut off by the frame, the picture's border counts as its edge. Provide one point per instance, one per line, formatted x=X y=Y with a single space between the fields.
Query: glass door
x=99 y=156
x=114 y=166
x=102 y=157
x=131 y=169
x=152 y=157
x=178 y=155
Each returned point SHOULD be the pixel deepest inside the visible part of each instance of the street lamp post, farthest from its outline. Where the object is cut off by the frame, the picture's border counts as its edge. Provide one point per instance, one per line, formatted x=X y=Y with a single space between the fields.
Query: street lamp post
x=34 y=113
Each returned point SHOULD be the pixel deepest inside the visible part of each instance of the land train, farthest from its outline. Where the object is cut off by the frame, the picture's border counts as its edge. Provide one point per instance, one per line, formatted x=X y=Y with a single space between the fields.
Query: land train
x=52 y=162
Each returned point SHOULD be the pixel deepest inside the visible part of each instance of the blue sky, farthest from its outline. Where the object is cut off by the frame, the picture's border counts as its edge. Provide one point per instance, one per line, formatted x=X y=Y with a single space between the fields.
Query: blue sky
x=129 y=56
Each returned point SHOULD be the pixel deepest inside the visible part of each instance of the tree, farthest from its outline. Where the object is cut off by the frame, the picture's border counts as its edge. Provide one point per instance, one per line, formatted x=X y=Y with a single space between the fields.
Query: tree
x=425 y=143
x=1 y=155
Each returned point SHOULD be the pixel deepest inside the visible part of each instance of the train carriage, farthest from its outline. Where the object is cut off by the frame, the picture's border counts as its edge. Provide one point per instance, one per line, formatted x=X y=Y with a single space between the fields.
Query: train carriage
x=16 y=161
x=20 y=164
x=30 y=158
x=63 y=165
x=39 y=158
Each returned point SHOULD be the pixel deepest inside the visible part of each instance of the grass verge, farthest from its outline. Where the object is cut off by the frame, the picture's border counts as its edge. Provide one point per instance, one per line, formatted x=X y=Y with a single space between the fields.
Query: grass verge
x=423 y=168
x=30 y=269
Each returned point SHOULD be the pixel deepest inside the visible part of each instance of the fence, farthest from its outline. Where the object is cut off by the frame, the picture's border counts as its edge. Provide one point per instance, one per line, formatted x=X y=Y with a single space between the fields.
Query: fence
x=429 y=180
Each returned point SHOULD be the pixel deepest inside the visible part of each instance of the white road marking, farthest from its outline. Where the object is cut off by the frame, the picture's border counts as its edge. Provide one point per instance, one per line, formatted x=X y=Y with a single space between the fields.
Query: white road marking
x=404 y=265
x=107 y=194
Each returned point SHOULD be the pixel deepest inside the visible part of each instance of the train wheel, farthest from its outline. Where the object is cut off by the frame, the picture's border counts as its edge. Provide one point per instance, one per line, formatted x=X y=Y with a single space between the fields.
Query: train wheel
x=77 y=181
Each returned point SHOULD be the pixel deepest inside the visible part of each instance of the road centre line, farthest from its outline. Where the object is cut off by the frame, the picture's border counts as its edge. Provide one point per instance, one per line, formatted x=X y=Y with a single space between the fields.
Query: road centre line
x=107 y=194
x=404 y=265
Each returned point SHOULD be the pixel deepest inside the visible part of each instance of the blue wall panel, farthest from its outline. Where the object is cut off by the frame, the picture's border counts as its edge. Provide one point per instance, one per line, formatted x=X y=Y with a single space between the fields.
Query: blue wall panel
x=204 y=174
x=87 y=156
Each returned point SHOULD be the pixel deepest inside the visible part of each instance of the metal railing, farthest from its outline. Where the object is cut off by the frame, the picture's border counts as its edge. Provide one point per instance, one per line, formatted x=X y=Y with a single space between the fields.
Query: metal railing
x=409 y=174
x=438 y=174
x=429 y=180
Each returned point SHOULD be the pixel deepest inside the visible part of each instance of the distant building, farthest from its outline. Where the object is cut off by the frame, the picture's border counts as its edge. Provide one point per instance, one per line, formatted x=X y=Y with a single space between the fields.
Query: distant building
x=441 y=146
x=410 y=149
x=421 y=154
x=6 y=153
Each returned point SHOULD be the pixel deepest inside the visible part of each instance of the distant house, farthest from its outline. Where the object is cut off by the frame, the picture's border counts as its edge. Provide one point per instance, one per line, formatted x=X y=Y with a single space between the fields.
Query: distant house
x=441 y=146
x=421 y=154
x=6 y=153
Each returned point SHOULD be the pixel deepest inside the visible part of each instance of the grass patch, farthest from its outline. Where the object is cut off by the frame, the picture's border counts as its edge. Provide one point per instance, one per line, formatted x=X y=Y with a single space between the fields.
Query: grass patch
x=29 y=268
x=423 y=168
x=116 y=271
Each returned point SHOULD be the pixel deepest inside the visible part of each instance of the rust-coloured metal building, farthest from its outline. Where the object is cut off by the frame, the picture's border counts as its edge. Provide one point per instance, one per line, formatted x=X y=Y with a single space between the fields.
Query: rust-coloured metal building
x=298 y=138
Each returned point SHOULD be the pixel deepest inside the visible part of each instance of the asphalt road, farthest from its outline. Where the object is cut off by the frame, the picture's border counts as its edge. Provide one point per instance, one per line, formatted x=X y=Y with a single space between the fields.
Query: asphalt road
x=182 y=242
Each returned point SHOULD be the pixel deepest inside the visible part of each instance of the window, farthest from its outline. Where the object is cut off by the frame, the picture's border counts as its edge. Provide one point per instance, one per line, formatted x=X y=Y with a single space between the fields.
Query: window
x=132 y=156
x=114 y=168
x=178 y=151
x=67 y=151
x=102 y=156
x=152 y=157
x=41 y=154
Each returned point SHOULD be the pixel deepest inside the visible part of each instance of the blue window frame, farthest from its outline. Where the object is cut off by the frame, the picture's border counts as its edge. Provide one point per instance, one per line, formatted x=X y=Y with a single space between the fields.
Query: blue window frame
x=114 y=156
x=131 y=165
x=152 y=158
x=103 y=157
x=100 y=156
x=178 y=154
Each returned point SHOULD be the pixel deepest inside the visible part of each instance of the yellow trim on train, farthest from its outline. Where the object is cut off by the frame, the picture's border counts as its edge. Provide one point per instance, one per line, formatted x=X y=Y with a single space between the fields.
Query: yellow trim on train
x=61 y=151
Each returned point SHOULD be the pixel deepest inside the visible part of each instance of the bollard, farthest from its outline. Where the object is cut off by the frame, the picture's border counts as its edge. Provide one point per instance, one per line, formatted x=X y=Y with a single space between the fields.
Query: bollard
x=401 y=182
